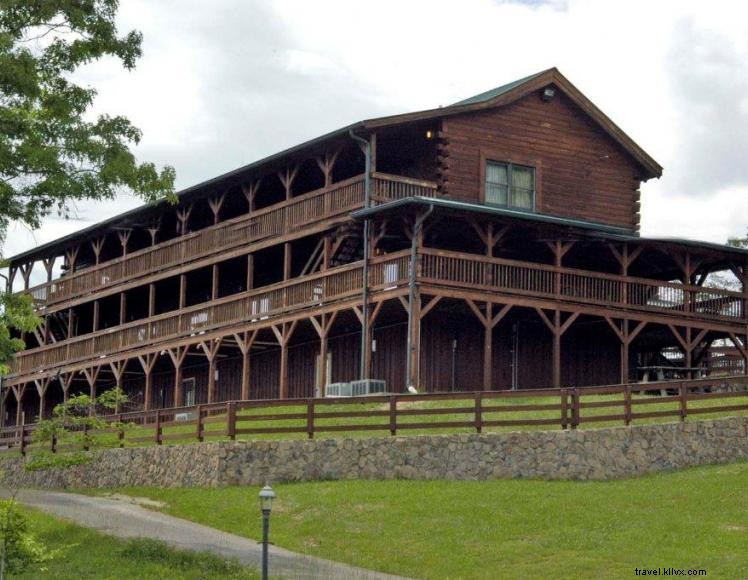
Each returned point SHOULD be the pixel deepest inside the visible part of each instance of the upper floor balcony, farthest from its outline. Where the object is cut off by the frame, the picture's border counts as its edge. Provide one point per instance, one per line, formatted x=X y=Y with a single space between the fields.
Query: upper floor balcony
x=450 y=273
x=297 y=215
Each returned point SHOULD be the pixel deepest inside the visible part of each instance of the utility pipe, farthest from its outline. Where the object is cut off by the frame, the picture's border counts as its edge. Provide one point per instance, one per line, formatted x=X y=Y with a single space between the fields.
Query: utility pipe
x=365 y=282
x=418 y=226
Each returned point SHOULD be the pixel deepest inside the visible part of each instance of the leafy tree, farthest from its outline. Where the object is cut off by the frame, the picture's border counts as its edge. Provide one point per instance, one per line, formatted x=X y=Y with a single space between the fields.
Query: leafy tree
x=19 y=549
x=72 y=423
x=52 y=150
x=738 y=242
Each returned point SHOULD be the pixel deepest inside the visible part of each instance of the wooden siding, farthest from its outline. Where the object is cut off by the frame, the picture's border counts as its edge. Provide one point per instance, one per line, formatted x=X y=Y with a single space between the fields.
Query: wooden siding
x=582 y=173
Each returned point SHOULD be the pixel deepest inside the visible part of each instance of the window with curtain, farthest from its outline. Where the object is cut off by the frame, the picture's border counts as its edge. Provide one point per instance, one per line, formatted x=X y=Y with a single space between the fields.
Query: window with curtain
x=510 y=185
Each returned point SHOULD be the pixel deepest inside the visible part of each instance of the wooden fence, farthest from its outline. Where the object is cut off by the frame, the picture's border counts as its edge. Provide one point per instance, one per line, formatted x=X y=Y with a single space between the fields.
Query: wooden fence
x=567 y=408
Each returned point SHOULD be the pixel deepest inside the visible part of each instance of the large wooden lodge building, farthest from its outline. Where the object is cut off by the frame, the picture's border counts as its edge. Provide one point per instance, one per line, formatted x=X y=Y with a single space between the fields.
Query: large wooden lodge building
x=490 y=244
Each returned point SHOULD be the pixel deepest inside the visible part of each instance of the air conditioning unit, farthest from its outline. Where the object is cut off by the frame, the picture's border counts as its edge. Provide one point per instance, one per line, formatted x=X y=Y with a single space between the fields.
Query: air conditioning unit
x=338 y=390
x=368 y=387
x=184 y=416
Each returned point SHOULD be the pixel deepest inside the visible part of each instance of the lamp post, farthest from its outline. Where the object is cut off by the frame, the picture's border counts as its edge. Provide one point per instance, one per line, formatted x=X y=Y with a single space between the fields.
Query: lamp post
x=267 y=495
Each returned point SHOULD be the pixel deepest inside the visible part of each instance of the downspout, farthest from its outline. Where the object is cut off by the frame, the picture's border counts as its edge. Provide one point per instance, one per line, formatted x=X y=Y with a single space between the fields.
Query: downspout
x=412 y=296
x=365 y=281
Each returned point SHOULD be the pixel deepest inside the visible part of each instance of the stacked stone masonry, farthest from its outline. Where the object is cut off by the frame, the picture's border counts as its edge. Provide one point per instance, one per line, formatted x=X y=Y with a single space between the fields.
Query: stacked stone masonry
x=582 y=454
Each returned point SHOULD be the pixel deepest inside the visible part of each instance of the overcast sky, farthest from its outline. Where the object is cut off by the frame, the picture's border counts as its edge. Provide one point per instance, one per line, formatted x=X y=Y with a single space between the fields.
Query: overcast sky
x=225 y=82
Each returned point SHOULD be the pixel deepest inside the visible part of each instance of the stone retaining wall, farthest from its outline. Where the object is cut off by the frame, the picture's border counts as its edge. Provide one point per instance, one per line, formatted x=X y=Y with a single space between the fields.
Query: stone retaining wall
x=582 y=454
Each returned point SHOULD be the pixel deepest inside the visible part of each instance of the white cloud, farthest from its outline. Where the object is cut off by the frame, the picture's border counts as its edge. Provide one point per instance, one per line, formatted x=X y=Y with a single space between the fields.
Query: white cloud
x=227 y=82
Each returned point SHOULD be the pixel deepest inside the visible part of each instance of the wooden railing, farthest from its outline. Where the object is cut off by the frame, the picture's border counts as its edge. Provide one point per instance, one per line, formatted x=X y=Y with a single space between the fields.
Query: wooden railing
x=390 y=187
x=609 y=290
x=395 y=414
x=437 y=267
x=299 y=212
x=254 y=305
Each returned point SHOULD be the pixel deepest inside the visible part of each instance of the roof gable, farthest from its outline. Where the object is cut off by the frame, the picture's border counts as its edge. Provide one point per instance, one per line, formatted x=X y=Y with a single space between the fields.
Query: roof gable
x=511 y=92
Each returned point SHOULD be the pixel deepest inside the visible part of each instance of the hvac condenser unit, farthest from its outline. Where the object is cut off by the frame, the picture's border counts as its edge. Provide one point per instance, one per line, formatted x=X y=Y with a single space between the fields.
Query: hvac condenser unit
x=368 y=387
x=338 y=390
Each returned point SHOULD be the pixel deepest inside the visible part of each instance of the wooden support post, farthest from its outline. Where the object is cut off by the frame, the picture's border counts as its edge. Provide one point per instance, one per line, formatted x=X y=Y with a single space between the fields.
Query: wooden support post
x=559 y=250
x=49 y=265
x=215 y=204
x=215 y=282
x=182 y=290
x=287 y=260
x=323 y=326
x=558 y=328
x=148 y=361
x=70 y=322
x=626 y=336
x=122 y=308
x=151 y=299
x=688 y=343
x=26 y=274
x=742 y=346
x=118 y=370
x=12 y=271
x=183 y=218
x=415 y=353
x=245 y=340
x=153 y=232
x=489 y=322
x=210 y=350
x=250 y=193
x=96 y=316
x=92 y=374
x=97 y=245
x=19 y=391
x=250 y=271
x=326 y=165
x=71 y=256
x=177 y=356
x=65 y=381
x=124 y=238
x=41 y=389
x=287 y=178
x=283 y=335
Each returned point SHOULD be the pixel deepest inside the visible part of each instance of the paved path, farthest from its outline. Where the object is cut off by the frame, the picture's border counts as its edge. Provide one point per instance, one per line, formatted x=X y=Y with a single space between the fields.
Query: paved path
x=127 y=520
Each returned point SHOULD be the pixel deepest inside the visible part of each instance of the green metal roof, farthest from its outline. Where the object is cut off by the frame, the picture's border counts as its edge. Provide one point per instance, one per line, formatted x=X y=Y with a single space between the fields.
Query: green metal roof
x=594 y=229
x=497 y=92
x=451 y=204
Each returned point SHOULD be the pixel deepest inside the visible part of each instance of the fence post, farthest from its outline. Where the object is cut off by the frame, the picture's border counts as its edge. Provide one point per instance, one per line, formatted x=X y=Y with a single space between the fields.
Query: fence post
x=393 y=415
x=231 y=420
x=199 y=422
x=158 y=427
x=85 y=437
x=478 y=412
x=575 y=408
x=310 y=418
x=683 y=395
x=23 y=440
x=53 y=446
x=564 y=409
x=627 y=405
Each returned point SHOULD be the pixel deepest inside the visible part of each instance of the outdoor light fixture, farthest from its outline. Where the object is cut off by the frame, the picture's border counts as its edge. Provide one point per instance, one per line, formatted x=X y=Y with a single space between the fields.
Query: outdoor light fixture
x=548 y=93
x=429 y=134
x=267 y=495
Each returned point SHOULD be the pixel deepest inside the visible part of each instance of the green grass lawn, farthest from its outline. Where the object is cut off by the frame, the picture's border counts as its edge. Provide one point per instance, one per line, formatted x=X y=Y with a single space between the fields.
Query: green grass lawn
x=89 y=554
x=693 y=519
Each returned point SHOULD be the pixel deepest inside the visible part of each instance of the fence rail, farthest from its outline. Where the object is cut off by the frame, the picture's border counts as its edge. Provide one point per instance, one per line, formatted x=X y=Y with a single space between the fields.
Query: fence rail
x=568 y=408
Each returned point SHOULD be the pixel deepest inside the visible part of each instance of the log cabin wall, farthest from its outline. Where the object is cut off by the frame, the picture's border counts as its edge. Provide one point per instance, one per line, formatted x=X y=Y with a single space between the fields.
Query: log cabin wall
x=580 y=171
